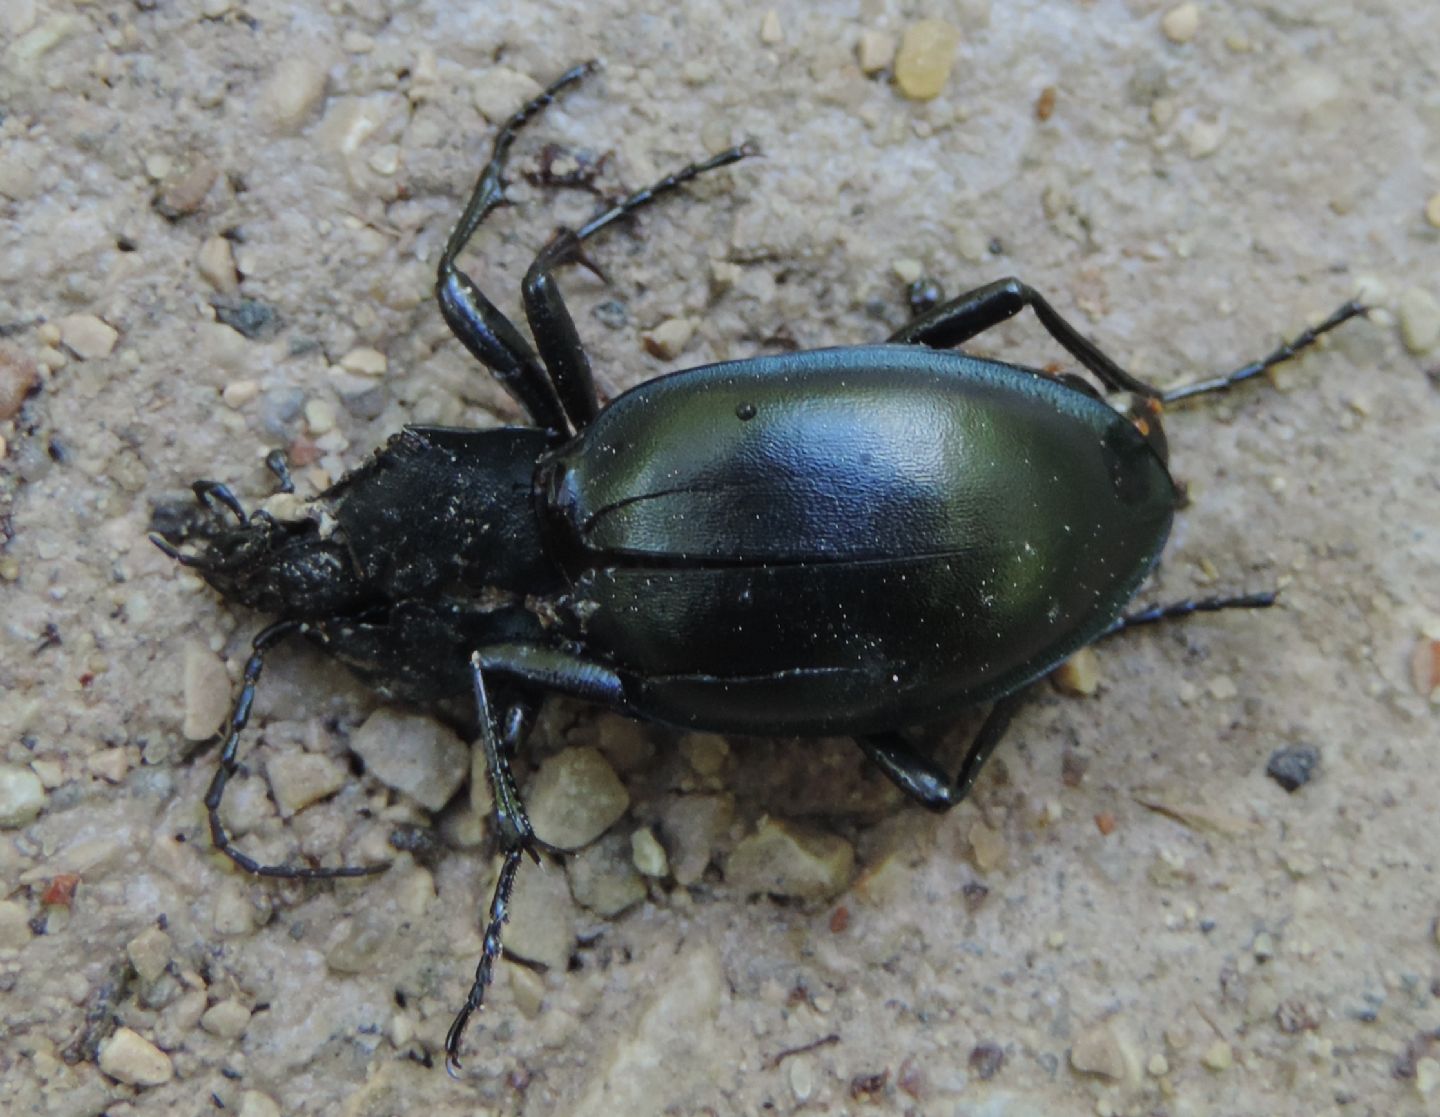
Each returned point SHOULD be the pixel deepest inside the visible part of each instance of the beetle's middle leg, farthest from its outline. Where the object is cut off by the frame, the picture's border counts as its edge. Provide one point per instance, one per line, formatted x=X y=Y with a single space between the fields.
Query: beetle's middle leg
x=517 y=839
x=550 y=322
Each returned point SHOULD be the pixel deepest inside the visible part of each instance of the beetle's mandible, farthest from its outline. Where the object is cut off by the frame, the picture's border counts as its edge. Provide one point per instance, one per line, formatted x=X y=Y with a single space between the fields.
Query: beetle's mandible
x=844 y=541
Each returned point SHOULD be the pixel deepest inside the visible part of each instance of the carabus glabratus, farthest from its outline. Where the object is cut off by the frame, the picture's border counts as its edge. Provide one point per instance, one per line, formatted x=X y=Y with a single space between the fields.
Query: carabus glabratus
x=841 y=541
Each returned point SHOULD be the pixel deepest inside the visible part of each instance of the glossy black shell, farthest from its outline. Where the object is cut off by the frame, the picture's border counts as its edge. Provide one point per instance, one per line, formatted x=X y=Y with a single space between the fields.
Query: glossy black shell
x=848 y=540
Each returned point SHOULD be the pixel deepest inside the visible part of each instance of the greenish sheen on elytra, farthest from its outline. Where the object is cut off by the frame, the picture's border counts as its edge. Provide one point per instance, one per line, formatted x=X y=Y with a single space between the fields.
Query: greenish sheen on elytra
x=843 y=541
x=847 y=540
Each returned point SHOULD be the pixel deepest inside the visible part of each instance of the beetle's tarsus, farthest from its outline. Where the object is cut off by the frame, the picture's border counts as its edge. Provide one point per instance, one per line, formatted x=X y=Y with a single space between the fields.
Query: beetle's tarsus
x=1285 y=351
x=1190 y=606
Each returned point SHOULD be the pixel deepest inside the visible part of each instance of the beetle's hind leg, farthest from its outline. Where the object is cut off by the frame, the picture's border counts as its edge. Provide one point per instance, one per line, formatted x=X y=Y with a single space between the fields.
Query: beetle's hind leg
x=921 y=778
x=550 y=322
x=517 y=839
x=488 y=334
x=230 y=764
x=971 y=314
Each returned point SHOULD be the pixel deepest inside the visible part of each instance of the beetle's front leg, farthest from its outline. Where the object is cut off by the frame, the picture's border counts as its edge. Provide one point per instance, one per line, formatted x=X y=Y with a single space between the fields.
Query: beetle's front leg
x=550 y=320
x=475 y=320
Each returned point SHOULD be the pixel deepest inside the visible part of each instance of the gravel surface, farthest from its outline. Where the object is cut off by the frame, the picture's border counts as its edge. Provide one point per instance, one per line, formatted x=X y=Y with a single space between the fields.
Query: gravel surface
x=219 y=221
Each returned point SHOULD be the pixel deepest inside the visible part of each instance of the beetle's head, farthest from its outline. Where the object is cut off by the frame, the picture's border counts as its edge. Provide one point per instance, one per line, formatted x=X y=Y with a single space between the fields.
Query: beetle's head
x=274 y=565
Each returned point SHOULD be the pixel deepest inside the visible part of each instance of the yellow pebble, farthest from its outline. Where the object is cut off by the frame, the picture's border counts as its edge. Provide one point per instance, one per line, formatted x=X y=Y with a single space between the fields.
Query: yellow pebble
x=927 y=52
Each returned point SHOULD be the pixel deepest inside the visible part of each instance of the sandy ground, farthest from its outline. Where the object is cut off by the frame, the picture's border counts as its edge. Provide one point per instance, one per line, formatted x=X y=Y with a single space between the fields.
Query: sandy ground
x=1129 y=917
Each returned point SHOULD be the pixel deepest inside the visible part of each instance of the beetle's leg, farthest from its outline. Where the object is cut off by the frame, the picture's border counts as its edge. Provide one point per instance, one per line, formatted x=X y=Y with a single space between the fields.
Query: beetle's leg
x=1283 y=352
x=512 y=827
x=550 y=322
x=971 y=314
x=974 y=312
x=1189 y=607
x=229 y=764
x=921 y=778
x=208 y=492
x=474 y=319
x=556 y=672
x=278 y=463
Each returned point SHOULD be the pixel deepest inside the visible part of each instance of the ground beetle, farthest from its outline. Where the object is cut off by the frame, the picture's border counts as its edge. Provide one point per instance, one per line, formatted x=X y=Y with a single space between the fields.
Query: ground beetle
x=843 y=541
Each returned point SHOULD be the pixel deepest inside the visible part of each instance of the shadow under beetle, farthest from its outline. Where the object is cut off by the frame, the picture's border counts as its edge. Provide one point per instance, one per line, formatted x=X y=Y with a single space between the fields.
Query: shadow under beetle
x=843 y=541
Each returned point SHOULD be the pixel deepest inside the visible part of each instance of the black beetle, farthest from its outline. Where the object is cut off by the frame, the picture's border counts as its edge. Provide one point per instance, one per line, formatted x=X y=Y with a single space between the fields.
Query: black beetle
x=842 y=541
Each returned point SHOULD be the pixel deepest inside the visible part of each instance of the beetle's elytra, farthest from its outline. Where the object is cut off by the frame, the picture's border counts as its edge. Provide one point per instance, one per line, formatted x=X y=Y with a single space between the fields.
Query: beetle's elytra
x=843 y=541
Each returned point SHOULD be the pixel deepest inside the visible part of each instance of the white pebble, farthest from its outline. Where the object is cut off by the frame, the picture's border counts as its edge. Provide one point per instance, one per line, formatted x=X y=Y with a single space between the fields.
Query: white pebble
x=21 y=796
x=414 y=755
x=87 y=336
x=298 y=779
x=365 y=361
x=129 y=1057
x=216 y=262
x=648 y=854
x=770 y=30
x=206 y=686
x=293 y=92
x=227 y=1019
x=319 y=416
x=1419 y=320
x=1181 y=23
x=575 y=797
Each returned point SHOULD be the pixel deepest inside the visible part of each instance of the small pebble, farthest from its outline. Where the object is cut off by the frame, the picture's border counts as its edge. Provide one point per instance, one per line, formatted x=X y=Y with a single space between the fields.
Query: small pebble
x=668 y=340
x=365 y=361
x=648 y=854
x=1098 y=1051
x=129 y=1057
x=498 y=89
x=206 y=687
x=783 y=859
x=875 y=51
x=1218 y=1056
x=216 y=263
x=319 y=416
x=802 y=1079
x=239 y=393
x=293 y=92
x=907 y=269
x=415 y=755
x=603 y=877
x=1158 y=1066
x=770 y=30
x=1204 y=139
x=1292 y=768
x=15 y=932
x=1079 y=675
x=255 y=1104
x=18 y=376
x=706 y=753
x=988 y=846
x=575 y=797
x=22 y=795
x=298 y=779
x=184 y=188
x=226 y=1019
x=1222 y=688
x=1419 y=320
x=1181 y=23
x=926 y=54
x=543 y=917
x=1432 y=210
x=87 y=336
x=1425 y=668
x=1427 y=1076
x=149 y=952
